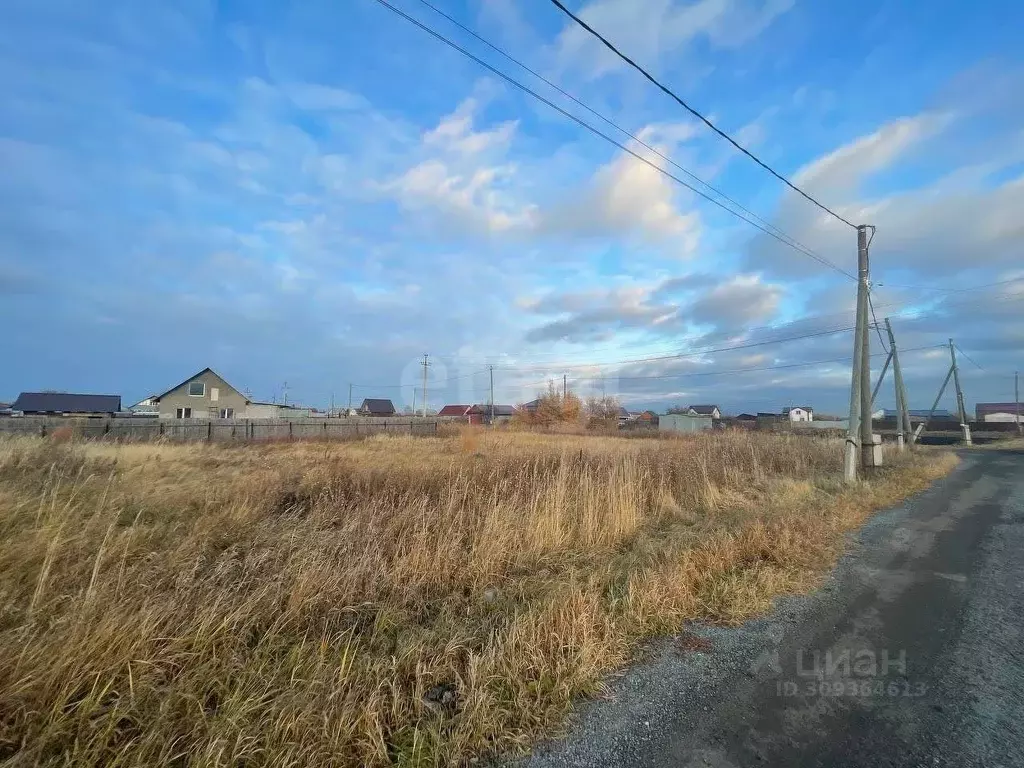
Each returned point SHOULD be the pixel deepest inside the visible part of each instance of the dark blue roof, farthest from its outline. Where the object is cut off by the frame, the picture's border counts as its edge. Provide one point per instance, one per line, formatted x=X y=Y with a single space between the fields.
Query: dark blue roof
x=65 y=402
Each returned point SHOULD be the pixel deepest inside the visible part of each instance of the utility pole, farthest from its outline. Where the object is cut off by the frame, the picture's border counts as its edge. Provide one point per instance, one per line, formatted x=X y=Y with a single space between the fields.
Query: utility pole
x=860 y=384
x=425 y=365
x=964 y=426
x=349 y=399
x=284 y=392
x=902 y=410
x=867 y=448
x=564 y=387
x=491 y=367
x=1016 y=398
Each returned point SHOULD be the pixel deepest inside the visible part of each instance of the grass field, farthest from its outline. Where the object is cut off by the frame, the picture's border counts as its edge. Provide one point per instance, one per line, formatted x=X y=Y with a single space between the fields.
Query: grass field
x=395 y=601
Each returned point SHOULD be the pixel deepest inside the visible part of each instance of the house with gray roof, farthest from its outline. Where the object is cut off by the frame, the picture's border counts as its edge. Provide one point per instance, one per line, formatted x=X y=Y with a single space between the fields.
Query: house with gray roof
x=65 y=404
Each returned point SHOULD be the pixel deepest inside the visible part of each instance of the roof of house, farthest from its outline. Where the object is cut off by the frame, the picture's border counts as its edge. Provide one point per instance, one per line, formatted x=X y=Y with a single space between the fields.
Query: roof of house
x=66 y=402
x=499 y=410
x=454 y=410
x=763 y=415
x=704 y=410
x=980 y=409
x=196 y=375
x=746 y=417
x=789 y=408
x=377 y=405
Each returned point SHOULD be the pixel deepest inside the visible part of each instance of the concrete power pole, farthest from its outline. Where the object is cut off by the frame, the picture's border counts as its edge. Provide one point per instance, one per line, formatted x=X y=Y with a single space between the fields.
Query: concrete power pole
x=565 y=389
x=349 y=398
x=961 y=412
x=425 y=365
x=902 y=412
x=1016 y=398
x=860 y=384
x=867 y=449
x=491 y=367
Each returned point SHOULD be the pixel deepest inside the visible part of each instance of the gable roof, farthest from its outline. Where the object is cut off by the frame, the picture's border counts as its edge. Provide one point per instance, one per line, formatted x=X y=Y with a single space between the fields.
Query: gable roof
x=982 y=409
x=454 y=410
x=162 y=395
x=794 y=407
x=377 y=405
x=66 y=402
x=499 y=410
x=704 y=410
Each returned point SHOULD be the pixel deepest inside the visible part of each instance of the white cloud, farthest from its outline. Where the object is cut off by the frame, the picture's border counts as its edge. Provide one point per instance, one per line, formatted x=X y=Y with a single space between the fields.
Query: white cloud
x=650 y=30
x=455 y=133
x=842 y=170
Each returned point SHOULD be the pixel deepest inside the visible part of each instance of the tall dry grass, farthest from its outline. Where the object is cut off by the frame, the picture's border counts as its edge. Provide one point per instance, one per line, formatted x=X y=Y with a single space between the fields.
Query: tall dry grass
x=397 y=601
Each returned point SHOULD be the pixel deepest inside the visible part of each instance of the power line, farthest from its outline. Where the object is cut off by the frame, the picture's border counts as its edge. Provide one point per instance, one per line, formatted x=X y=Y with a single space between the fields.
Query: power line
x=792 y=241
x=526 y=89
x=733 y=371
x=969 y=358
x=878 y=330
x=695 y=353
x=953 y=290
x=695 y=113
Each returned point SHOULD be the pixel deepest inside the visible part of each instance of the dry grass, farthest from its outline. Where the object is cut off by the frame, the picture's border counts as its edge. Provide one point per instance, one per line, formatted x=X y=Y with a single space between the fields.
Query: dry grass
x=396 y=601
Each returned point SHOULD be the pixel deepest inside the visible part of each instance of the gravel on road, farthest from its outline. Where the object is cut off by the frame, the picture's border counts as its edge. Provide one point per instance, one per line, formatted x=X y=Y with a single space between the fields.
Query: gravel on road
x=911 y=654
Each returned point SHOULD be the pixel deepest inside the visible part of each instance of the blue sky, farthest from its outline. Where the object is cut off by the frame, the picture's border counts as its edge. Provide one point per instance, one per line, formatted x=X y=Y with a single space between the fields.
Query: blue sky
x=319 y=193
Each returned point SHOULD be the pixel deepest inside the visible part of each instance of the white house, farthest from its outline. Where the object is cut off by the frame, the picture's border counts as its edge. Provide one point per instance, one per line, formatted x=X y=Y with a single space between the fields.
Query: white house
x=799 y=413
x=704 y=410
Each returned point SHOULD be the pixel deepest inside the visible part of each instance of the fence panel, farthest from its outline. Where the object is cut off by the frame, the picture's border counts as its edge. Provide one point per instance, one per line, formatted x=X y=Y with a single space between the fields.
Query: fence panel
x=217 y=430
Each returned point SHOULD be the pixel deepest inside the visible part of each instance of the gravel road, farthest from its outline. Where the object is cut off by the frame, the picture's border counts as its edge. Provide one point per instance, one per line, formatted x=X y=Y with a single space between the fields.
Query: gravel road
x=912 y=654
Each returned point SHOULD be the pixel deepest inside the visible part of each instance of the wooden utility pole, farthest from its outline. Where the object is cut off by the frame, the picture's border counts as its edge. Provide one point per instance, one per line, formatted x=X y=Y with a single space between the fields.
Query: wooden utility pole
x=961 y=411
x=425 y=365
x=565 y=389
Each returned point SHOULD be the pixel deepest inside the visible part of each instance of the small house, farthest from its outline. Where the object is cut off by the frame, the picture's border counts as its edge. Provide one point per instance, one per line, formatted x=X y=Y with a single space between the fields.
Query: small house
x=485 y=413
x=704 y=410
x=798 y=413
x=455 y=410
x=994 y=412
x=205 y=395
x=65 y=404
x=373 y=406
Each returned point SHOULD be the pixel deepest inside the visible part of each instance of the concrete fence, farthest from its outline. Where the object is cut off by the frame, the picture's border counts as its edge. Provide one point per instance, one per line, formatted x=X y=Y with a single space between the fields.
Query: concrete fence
x=218 y=430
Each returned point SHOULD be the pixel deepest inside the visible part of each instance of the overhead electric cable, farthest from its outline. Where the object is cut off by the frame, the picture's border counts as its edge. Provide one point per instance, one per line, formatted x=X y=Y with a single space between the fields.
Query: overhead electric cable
x=697 y=114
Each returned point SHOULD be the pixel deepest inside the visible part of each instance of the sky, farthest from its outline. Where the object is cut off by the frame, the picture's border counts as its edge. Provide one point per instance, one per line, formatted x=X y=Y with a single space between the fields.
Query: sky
x=311 y=195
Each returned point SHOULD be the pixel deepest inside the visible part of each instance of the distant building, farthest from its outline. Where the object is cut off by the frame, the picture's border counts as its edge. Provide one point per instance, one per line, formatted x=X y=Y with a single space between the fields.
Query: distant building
x=146 y=407
x=65 y=404
x=262 y=410
x=799 y=413
x=205 y=395
x=704 y=410
x=485 y=413
x=685 y=422
x=373 y=406
x=746 y=417
x=917 y=414
x=455 y=410
x=996 y=412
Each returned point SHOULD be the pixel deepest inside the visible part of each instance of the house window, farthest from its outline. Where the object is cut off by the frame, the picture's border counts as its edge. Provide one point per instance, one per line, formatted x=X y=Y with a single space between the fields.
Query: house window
x=196 y=388
x=183 y=413
x=227 y=413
